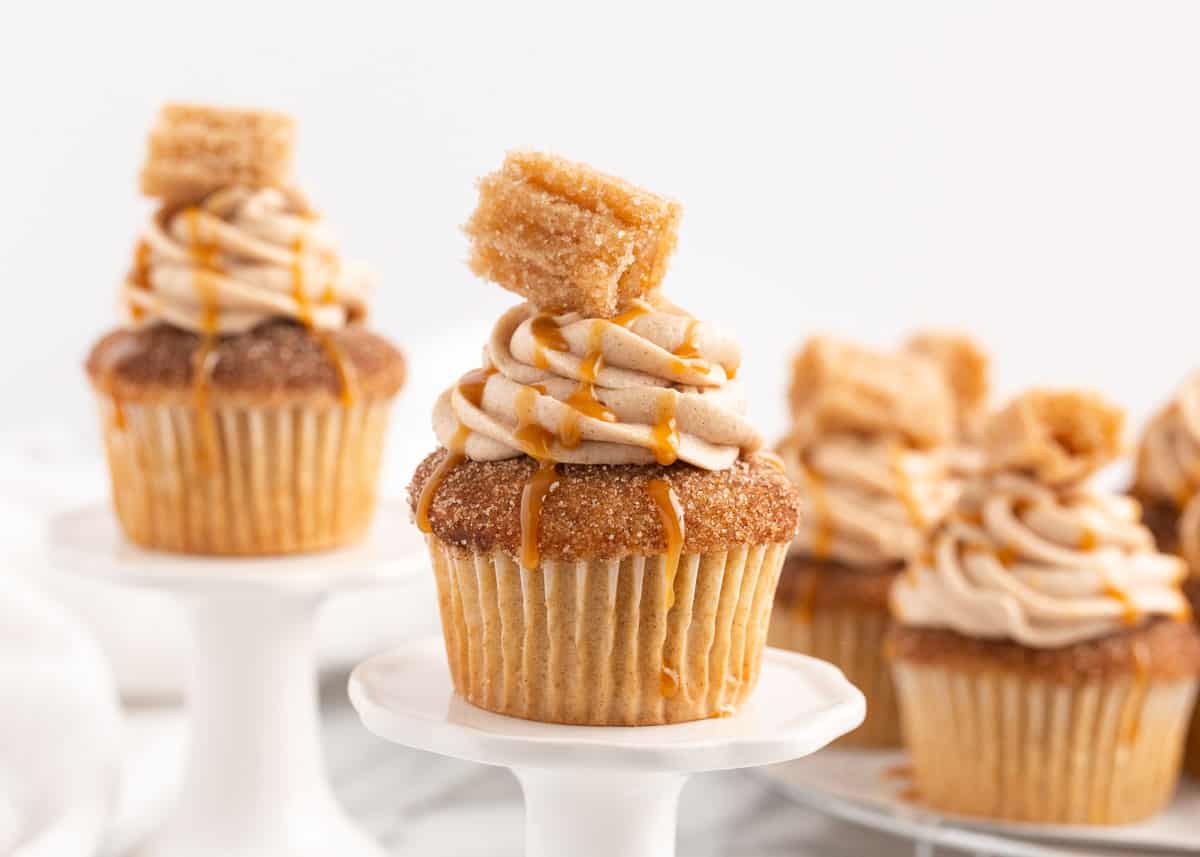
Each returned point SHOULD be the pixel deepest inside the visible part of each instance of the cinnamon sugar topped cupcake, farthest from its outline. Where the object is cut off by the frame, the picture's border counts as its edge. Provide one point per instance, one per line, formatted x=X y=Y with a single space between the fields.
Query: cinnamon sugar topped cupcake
x=245 y=401
x=1054 y=589
x=869 y=452
x=598 y=474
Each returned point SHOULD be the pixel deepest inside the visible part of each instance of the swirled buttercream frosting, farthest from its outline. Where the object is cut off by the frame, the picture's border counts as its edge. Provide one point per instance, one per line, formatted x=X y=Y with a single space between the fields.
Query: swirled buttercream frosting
x=238 y=258
x=651 y=385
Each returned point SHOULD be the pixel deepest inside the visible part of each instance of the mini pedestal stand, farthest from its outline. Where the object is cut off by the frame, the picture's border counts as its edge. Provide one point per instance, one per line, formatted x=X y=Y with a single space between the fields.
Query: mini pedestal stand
x=604 y=791
x=255 y=782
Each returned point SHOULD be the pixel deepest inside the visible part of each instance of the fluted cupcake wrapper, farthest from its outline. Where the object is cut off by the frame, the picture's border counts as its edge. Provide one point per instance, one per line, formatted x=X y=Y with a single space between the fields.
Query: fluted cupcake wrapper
x=853 y=641
x=595 y=643
x=242 y=480
x=1010 y=746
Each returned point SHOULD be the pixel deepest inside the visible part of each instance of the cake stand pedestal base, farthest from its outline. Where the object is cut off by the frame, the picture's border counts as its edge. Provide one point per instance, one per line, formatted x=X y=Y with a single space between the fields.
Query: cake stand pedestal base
x=600 y=791
x=255 y=784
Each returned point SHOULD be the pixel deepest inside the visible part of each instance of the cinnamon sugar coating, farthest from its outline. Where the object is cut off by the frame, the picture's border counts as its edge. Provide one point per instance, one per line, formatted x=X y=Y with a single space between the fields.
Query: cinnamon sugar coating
x=276 y=362
x=605 y=512
x=965 y=367
x=1157 y=649
x=569 y=238
x=195 y=149
x=841 y=387
x=1057 y=436
x=816 y=584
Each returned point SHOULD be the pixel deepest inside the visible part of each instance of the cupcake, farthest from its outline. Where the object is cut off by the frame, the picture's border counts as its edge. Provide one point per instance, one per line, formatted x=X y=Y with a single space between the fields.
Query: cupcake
x=244 y=402
x=605 y=539
x=1167 y=482
x=1044 y=661
x=869 y=452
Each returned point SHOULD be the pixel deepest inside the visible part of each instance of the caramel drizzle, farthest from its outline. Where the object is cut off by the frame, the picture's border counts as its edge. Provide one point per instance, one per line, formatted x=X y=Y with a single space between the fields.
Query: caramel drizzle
x=547 y=336
x=333 y=352
x=822 y=545
x=668 y=682
x=533 y=497
x=1130 y=614
x=904 y=488
x=665 y=434
x=455 y=453
x=1088 y=540
x=139 y=277
x=1131 y=724
x=204 y=257
x=471 y=387
x=670 y=512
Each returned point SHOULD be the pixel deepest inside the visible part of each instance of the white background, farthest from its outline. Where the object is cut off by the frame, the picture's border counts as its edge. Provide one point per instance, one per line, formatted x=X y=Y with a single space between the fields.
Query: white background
x=1027 y=171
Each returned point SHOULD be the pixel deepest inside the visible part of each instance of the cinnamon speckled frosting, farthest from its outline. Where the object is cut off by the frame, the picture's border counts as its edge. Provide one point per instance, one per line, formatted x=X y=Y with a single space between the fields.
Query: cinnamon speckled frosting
x=1036 y=558
x=534 y=364
x=238 y=258
x=869 y=452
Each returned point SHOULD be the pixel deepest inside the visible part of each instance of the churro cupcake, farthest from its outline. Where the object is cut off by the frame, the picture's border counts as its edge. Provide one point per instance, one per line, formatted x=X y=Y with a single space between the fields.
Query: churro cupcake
x=244 y=402
x=1044 y=661
x=605 y=539
x=869 y=454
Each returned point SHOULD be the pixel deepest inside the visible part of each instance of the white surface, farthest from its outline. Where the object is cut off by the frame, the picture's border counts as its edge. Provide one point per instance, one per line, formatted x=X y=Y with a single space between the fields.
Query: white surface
x=60 y=730
x=868 y=778
x=599 y=791
x=255 y=781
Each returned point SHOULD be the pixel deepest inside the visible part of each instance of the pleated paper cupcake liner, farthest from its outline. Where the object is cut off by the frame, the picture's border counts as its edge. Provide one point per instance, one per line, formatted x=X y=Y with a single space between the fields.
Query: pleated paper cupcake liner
x=853 y=641
x=1009 y=746
x=244 y=481
x=596 y=642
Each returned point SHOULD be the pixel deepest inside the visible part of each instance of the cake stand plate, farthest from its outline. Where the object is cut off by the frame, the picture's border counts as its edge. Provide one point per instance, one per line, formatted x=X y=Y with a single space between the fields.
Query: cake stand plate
x=870 y=788
x=601 y=791
x=255 y=782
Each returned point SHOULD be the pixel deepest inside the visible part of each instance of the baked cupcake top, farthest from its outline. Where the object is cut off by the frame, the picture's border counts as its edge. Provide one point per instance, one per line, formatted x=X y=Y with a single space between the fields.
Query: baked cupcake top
x=869 y=451
x=597 y=368
x=235 y=248
x=1032 y=553
x=1168 y=458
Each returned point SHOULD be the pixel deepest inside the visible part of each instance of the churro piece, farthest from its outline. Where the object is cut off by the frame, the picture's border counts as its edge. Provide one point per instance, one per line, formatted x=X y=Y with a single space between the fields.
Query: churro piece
x=1057 y=436
x=569 y=238
x=841 y=387
x=965 y=367
x=195 y=149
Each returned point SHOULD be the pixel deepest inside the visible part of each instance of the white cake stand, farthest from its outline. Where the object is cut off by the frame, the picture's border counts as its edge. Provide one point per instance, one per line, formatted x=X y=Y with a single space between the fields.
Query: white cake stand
x=603 y=791
x=255 y=782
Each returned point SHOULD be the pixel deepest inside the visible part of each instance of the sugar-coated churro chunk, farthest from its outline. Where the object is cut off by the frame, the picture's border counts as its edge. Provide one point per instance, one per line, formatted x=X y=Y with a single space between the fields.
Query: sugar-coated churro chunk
x=1056 y=436
x=569 y=238
x=838 y=386
x=195 y=149
x=965 y=367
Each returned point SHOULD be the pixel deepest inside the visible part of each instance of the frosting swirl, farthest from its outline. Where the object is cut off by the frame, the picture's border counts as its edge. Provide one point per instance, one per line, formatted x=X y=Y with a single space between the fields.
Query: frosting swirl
x=872 y=500
x=1168 y=461
x=239 y=258
x=650 y=385
x=1045 y=567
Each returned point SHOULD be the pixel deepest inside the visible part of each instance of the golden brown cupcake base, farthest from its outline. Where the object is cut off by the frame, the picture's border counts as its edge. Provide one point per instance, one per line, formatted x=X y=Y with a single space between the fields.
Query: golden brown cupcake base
x=1086 y=734
x=279 y=362
x=607 y=642
x=840 y=615
x=606 y=512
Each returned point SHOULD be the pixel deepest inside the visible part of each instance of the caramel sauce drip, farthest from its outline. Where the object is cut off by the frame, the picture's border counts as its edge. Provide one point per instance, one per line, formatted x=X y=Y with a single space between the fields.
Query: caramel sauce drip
x=688 y=349
x=299 y=293
x=803 y=609
x=546 y=336
x=1088 y=540
x=665 y=434
x=534 y=440
x=1131 y=725
x=471 y=385
x=904 y=488
x=671 y=515
x=454 y=456
x=1005 y=555
x=1130 y=615
x=346 y=394
x=204 y=256
x=638 y=309
x=140 y=276
x=822 y=545
x=118 y=415
x=533 y=496
x=668 y=682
